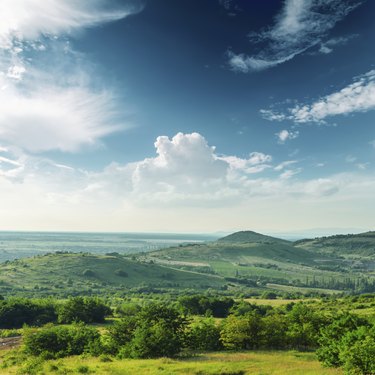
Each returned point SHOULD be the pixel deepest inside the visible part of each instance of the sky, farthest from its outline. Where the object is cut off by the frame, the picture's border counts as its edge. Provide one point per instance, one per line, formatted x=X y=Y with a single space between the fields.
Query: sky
x=187 y=115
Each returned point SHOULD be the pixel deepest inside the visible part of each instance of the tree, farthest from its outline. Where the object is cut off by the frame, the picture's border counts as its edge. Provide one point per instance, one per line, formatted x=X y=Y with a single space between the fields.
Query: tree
x=241 y=332
x=331 y=336
x=203 y=334
x=83 y=309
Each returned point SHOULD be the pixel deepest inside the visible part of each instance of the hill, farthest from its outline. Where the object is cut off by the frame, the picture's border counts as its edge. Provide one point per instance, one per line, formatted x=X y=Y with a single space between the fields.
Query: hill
x=250 y=236
x=262 y=259
x=83 y=273
x=355 y=245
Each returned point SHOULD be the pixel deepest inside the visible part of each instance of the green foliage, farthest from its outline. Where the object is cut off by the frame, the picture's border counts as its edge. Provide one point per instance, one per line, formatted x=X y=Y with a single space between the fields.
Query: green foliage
x=332 y=335
x=304 y=325
x=157 y=330
x=359 y=357
x=203 y=335
x=200 y=304
x=15 y=312
x=241 y=332
x=59 y=341
x=83 y=309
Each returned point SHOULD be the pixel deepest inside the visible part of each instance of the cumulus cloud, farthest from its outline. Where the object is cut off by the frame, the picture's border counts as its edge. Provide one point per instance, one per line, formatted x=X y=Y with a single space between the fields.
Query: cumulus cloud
x=300 y=25
x=185 y=177
x=359 y=96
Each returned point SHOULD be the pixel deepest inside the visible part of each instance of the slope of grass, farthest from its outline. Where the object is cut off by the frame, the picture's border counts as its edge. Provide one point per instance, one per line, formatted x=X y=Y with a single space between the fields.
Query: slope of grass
x=68 y=273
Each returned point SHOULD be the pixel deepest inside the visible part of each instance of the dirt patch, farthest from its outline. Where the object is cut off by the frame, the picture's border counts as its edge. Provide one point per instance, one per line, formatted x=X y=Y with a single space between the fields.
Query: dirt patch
x=10 y=342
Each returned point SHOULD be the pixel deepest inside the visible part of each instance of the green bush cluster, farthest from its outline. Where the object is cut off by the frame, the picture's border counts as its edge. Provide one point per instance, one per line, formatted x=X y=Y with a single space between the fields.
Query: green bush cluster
x=15 y=312
x=61 y=341
x=348 y=342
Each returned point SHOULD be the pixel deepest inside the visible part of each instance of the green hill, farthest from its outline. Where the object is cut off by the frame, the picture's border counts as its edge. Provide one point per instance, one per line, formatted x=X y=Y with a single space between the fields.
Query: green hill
x=250 y=236
x=83 y=273
x=356 y=245
x=263 y=259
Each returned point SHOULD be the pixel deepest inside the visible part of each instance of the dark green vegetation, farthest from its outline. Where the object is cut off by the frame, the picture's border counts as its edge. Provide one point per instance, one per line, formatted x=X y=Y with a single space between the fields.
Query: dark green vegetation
x=15 y=312
x=340 y=337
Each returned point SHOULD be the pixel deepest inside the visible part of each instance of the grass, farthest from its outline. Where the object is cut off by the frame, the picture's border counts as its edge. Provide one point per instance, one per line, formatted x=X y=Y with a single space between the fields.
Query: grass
x=221 y=363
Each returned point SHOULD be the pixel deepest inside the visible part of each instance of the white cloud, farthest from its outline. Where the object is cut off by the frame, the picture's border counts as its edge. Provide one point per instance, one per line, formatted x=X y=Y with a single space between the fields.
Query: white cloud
x=48 y=102
x=300 y=25
x=285 y=164
x=359 y=96
x=327 y=47
x=185 y=186
x=53 y=118
x=285 y=135
x=31 y=19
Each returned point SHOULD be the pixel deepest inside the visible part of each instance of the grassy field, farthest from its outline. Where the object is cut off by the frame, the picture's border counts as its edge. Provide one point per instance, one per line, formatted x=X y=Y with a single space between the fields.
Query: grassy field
x=240 y=363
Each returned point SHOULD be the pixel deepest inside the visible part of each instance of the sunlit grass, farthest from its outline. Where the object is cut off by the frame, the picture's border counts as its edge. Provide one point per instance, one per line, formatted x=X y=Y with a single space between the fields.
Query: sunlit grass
x=293 y=363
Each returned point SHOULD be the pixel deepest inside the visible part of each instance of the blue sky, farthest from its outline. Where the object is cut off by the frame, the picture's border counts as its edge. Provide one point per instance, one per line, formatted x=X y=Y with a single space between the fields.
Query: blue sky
x=187 y=116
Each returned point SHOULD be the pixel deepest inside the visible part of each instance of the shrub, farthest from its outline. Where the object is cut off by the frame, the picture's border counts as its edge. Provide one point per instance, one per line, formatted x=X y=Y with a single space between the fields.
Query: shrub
x=16 y=312
x=59 y=341
x=83 y=309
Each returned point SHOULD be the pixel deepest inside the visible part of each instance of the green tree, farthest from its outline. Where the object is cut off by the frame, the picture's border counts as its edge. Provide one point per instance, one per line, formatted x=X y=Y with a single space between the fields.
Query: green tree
x=241 y=332
x=203 y=334
x=83 y=309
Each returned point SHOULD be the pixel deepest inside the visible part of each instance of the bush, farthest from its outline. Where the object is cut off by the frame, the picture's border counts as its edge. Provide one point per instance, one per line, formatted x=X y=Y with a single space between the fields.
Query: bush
x=83 y=309
x=156 y=331
x=331 y=336
x=16 y=312
x=60 y=341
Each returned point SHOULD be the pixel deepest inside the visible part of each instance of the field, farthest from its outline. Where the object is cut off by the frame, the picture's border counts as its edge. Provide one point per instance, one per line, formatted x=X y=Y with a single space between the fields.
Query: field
x=239 y=363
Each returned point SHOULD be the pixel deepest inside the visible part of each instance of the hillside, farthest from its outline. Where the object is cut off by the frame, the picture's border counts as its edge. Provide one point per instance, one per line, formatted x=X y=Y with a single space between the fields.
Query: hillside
x=262 y=259
x=356 y=245
x=82 y=273
x=250 y=236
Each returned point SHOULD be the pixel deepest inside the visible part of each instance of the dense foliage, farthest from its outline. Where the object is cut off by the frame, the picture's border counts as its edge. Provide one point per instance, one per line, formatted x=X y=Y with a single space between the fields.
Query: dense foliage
x=15 y=312
x=166 y=329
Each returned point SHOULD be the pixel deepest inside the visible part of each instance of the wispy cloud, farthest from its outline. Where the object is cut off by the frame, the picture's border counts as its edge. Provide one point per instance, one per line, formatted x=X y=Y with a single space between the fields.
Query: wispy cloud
x=300 y=25
x=285 y=135
x=32 y=19
x=356 y=97
x=47 y=99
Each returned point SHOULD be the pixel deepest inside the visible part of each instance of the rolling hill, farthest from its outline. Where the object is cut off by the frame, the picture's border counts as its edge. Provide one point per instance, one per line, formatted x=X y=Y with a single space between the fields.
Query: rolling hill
x=356 y=245
x=250 y=255
x=250 y=236
x=83 y=273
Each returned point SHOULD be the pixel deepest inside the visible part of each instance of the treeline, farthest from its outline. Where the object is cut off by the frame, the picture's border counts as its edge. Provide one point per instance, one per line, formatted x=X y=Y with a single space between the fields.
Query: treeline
x=16 y=312
x=168 y=329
